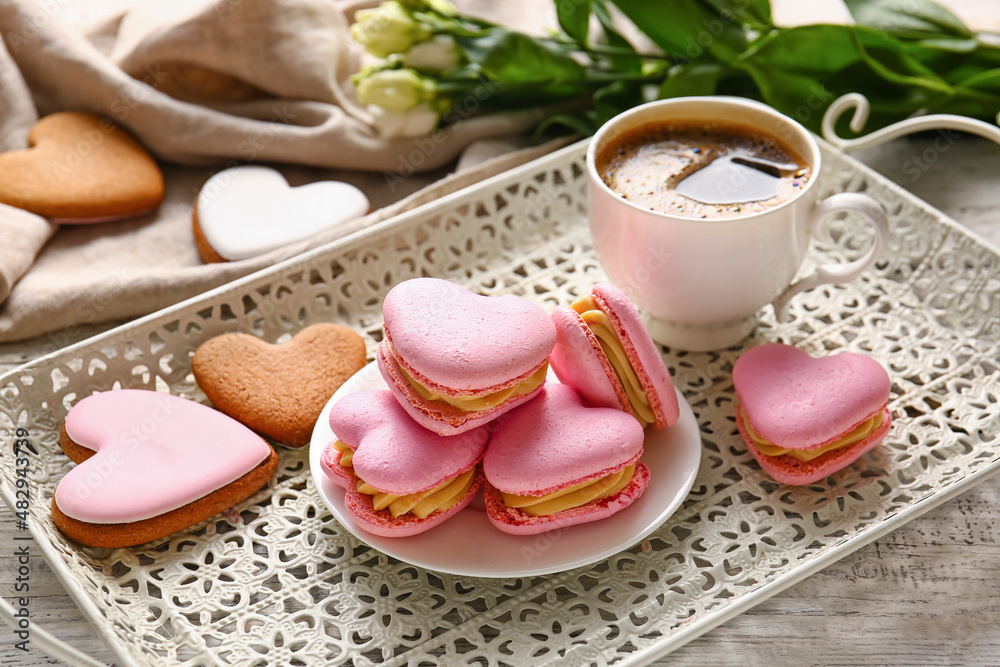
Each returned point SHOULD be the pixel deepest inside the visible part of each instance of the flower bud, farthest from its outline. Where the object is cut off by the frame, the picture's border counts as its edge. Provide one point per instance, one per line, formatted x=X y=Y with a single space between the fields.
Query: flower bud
x=419 y=121
x=394 y=89
x=387 y=29
x=439 y=53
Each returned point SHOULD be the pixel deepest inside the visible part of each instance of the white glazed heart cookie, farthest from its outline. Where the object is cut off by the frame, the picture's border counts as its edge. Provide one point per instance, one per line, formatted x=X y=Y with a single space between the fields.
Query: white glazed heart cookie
x=247 y=211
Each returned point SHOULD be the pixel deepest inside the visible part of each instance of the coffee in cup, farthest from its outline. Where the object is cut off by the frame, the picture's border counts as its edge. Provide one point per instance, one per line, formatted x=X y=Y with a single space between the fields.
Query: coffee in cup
x=702 y=170
x=700 y=271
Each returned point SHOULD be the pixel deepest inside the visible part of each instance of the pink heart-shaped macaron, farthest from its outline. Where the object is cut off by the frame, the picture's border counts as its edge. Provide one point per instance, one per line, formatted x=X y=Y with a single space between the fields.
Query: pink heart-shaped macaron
x=463 y=340
x=394 y=454
x=554 y=442
x=804 y=418
x=795 y=400
x=456 y=360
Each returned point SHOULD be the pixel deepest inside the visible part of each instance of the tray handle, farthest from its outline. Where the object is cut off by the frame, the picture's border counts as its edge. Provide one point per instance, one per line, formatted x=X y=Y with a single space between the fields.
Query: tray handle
x=56 y=648
x=859 y=103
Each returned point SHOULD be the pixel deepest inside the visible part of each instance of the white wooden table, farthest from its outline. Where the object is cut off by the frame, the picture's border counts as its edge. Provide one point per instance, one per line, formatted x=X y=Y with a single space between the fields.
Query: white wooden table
x=926 y=594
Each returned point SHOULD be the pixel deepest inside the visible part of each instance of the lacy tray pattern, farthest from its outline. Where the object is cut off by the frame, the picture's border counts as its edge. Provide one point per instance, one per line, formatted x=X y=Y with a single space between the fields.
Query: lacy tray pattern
x=276 y=581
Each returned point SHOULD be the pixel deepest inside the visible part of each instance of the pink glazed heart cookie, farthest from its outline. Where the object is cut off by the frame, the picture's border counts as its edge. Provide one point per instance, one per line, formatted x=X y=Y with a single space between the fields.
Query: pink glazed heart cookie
x=604 y=352
x=456 y=360
x=150 y=464
x=804 y=418
x=554 y=462
x=399 y=478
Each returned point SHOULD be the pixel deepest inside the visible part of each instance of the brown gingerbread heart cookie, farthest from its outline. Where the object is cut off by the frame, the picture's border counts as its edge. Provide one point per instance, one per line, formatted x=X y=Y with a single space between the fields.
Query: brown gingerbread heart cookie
x=80 y=168
x=278 y=390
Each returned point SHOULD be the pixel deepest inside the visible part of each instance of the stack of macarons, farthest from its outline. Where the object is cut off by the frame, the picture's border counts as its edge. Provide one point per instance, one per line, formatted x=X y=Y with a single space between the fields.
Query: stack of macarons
x=469 y=405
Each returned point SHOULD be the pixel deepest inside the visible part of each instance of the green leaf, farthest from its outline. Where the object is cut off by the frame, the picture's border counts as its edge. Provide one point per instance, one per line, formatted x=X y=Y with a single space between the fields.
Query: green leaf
x=949 y=61
x=988 y=80
x=800 y=71
x=574 y=18
x=889 y=59
x=694 y=78
x=950 y=44
x=615 y=98
x=981 y=102
x=583 y=122
x=526 y=94
x=615 y=39
x=762 y=9
x=755 y=13
x=685 y=29
x=512 y=57
x=908 y=19
x=813 y=50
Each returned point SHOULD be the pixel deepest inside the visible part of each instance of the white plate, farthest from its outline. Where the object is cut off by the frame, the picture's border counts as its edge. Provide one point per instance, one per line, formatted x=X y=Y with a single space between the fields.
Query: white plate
x=468 y=544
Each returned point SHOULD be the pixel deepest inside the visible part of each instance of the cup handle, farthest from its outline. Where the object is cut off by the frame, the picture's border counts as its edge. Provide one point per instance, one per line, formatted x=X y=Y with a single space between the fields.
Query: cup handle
x=849 y=202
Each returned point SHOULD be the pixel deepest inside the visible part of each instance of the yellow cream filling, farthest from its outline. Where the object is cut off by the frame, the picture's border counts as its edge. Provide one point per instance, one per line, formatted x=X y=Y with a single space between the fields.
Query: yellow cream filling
x=600 y=324
x=859 y=433
x=572 y=496
x=346 y=453
x=477 y=403
x=441 y=498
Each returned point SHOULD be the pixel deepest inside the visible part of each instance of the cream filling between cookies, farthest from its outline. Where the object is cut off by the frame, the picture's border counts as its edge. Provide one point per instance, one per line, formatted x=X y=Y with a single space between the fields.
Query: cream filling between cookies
x=857 y=434
x=572 y=496
x=478 y=403
x=440 y=498
x=611 y=344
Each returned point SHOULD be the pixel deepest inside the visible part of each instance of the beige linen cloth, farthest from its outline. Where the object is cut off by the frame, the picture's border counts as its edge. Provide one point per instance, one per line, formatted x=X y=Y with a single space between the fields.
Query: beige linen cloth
x=203 y=84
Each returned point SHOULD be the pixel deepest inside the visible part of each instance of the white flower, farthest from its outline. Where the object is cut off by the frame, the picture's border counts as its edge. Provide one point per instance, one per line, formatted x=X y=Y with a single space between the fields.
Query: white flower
x=395 y=89
x=418 y=121
x=387 y=29
x=439 y=53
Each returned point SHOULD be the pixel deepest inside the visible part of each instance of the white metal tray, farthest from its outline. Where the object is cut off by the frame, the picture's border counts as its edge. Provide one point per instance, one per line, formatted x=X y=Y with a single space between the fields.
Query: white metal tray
x=277 y=581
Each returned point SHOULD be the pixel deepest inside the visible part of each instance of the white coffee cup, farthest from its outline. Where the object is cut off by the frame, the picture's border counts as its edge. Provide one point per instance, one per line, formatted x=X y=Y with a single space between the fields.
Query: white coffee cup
x=700 y=282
